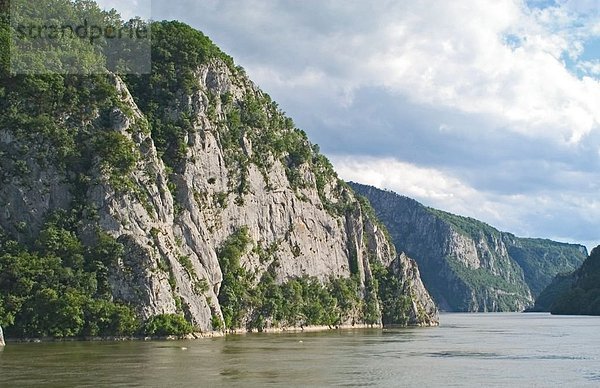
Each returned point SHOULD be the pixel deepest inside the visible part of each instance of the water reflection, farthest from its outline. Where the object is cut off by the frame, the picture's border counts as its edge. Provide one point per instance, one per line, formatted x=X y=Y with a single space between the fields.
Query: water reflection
x=471 y=349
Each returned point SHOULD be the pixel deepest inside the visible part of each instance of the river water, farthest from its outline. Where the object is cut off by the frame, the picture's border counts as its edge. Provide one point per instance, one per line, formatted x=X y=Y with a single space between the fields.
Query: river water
x=504 y=350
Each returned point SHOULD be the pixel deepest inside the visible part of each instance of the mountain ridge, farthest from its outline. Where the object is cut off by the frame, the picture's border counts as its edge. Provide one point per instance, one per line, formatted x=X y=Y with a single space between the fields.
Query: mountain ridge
x=467 y=264
x=574 y=293
x=177 y=201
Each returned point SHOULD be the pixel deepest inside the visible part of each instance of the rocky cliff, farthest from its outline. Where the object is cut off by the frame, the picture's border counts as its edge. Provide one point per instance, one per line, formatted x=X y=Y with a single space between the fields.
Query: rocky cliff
x=468 y=265
x=575 y=293
x=214 y=206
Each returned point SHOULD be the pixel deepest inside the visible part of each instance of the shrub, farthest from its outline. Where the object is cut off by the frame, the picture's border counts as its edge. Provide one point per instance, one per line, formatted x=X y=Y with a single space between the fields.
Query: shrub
x=167 y=324
x=59 y=287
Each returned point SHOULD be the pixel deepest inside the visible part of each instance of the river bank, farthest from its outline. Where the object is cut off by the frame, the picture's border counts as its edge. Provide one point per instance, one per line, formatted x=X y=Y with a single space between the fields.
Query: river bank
x=200 y=335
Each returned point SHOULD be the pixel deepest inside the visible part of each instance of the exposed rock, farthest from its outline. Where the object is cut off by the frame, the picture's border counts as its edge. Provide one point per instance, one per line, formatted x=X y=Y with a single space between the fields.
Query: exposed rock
x=468 y=265
x=422 y=313
x=172 y=220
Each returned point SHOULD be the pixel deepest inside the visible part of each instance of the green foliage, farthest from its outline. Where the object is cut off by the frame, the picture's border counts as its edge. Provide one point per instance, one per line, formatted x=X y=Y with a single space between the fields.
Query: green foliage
x=559 y=286
x=468 y=226
x=201 y=286
x=216 y=322
x=5 y=34
x=252 y=113
x=64 y=53
x=105 y=318
x=167 y=324
x=583 y=295
x=302 y=301
x=234 y=295
x=177 y=52
x=59 y=287
x=221 y=199
x=187 y=264
x=233 y=248
x=55 y=128
x=118 y=156
x=371 y=310
x=246 y=302
x=395 y=303
x=68 y=127
x=541 y=260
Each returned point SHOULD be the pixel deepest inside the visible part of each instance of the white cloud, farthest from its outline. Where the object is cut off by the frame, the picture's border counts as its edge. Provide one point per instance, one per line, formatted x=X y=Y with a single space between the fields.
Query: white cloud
x=489 y=108
x=451 y=54
x=525 y=215
x=425 y=183
x=431 y=186
x=468 y=66
x=590 y=67
x=128 y=9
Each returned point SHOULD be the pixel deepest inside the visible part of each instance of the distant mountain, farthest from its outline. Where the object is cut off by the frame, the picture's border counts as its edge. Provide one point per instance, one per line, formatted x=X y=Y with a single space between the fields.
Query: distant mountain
x=577 y=293
x=466 y=264
x=561 y=284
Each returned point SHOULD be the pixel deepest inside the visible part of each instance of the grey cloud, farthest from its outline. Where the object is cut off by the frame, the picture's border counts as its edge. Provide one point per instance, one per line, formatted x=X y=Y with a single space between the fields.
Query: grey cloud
x=282 y=39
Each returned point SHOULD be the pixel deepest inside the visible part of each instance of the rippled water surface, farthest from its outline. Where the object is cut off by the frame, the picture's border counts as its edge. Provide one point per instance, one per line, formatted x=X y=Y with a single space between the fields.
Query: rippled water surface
x=508 y=350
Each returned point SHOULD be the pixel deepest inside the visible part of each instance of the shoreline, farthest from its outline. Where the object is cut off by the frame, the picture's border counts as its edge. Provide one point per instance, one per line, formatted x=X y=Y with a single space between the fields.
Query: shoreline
x=306 y=329
x=217 y=334
x=201 y=335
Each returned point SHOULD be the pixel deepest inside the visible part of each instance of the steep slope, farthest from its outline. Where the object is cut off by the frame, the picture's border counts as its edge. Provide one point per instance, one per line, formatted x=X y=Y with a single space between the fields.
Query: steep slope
x=468 y=265
x=185 y=193
x=543 y=259
x=577 y=293
x=560 y=285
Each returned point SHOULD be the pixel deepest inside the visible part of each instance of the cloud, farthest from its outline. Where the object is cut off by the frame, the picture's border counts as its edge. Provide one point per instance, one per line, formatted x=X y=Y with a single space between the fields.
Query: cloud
x=128 y=9
x=433 y=187
x=569 y=216
x=590 y=67
x=495 y=101
x=452 y=54
x=428 y=184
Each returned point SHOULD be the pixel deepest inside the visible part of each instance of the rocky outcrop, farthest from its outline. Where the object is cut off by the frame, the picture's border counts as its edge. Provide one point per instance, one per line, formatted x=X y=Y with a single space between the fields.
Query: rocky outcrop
x=468 y=265
x=424 y=312
x=183 y=198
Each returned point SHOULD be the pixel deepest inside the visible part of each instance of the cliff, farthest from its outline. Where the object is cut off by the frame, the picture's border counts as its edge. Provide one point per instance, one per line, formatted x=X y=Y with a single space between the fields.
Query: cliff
x=466 y=264
x=183 y=193
x=575 y=293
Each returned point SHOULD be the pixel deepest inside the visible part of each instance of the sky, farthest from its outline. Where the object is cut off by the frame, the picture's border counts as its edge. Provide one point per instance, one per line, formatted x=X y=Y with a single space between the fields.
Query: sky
x=484 y=108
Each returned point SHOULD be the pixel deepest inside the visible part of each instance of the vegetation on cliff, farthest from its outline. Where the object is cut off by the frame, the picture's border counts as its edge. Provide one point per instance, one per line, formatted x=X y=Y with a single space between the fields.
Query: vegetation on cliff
x=259 y=303
x=56 y=286
x=466 y=264
x=57 y=275
x=576 y=293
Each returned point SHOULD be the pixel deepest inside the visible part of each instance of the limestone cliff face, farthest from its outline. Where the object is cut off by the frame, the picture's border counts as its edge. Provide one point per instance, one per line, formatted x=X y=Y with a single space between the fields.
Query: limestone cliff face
x=172 y=215
x=466 y=264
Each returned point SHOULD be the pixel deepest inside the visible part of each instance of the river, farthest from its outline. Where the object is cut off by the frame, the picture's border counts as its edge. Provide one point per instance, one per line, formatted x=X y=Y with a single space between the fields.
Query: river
x=503 y=350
